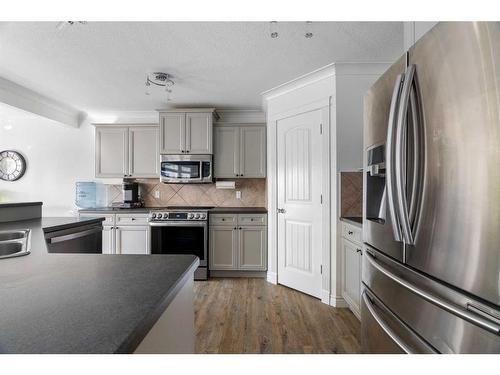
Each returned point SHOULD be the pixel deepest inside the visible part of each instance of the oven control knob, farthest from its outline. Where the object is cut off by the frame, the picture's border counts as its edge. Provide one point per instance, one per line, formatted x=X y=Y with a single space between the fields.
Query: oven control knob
x=197 y=216
x=159 y=216
x=153 y=216
x=203 y=216
x=165 y=215
x=190 y=216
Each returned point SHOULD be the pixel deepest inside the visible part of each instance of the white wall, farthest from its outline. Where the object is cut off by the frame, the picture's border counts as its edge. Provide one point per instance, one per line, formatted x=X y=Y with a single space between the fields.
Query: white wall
x=413 y=31
x=57 y=156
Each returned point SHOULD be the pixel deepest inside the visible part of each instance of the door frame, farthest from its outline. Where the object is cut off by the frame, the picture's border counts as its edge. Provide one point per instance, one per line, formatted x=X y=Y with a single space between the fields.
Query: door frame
x=328 y=160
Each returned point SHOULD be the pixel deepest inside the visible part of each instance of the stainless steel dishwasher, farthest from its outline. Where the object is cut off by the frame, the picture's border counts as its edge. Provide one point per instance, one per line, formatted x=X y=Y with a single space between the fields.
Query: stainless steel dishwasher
x=79 y=239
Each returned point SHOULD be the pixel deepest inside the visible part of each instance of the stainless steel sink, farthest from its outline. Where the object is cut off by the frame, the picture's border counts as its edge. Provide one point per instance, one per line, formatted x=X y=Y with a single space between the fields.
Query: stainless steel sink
x=14 y=243
x=13 y=235
x=9 y=248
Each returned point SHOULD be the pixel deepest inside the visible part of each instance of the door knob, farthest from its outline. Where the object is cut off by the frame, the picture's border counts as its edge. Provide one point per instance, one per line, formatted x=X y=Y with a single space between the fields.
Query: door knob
x=281 y=210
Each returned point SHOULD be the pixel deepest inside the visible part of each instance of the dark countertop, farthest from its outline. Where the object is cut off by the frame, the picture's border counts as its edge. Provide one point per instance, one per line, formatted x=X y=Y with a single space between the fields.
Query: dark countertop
x=357 y=221
x=19 y=204
x=246 y=210
x=116 y=210
x=111 y=210
x=82 y=303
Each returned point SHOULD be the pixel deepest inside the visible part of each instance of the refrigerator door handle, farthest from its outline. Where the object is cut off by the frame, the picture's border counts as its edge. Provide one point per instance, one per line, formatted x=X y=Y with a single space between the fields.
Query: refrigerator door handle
x=400 y=156
x=389 y=160
x=417 y=118
x=451 y=308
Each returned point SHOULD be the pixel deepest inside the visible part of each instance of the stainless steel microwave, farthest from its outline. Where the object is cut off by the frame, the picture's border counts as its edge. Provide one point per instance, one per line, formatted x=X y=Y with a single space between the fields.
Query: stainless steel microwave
x=186 y=169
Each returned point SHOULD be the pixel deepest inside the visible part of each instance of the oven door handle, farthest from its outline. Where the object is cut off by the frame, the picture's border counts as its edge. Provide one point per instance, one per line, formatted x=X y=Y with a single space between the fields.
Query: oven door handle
x=177 y=224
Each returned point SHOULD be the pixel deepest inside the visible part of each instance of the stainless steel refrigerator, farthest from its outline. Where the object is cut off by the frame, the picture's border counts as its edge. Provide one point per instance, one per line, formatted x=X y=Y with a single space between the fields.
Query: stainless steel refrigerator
x=431 y=215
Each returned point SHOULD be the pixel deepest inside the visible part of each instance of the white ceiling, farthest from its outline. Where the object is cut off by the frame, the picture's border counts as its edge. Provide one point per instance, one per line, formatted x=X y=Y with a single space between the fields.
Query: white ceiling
x=101 y=66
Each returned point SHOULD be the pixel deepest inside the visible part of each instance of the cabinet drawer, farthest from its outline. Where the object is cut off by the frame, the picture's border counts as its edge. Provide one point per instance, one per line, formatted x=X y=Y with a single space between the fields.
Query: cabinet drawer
x=252 y=219
x=223 y=219
x=351 y=232
x=109 y=219
x=131 y=219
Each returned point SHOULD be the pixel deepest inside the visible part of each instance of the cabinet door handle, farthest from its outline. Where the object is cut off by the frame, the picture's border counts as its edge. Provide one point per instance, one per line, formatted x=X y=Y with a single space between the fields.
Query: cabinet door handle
x=239 y=228
x=235 y=228
x=350 y=232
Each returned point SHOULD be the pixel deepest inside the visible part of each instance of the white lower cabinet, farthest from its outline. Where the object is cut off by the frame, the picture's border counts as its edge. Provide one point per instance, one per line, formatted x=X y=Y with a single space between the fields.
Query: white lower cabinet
x=235 y=246
x=223 y=248
x=252 y=248
x=133 y=237
x=351 y=282
x=108 y=239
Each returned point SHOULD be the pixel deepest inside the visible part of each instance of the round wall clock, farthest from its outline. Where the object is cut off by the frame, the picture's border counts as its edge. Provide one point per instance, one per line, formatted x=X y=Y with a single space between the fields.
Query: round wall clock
x=12 y=165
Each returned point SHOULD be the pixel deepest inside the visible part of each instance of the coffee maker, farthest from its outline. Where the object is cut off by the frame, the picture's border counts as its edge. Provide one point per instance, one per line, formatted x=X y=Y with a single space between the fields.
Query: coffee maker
x=130 y=194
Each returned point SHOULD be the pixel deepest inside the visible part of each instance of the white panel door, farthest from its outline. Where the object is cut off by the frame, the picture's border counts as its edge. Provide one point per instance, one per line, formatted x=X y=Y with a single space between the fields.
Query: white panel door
x=111 y=151
x=300 y=223
x=199 y=133
x=144 y=154
x=132 y=239
x=172 y=133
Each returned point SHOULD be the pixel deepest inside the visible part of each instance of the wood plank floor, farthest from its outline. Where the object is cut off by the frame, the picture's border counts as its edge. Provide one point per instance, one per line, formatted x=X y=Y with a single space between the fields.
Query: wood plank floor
x=240 y=315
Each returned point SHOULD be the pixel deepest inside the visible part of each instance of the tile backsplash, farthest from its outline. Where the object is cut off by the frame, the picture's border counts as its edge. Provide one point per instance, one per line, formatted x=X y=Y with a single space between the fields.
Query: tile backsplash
x=351 y=194
x=253 y=194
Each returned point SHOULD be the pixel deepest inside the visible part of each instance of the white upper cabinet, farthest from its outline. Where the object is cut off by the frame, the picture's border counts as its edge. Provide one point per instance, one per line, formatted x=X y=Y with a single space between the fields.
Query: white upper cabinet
x=198 y=133
x=227 y=152
x=253 y=151
x=188 y=132
x=240 y=151
x=126 y=151
x=172 y=133
x=111 y=152
x=144 y=154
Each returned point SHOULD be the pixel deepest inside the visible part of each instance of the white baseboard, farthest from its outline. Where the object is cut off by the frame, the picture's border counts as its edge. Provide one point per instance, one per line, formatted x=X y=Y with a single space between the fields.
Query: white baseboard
x=338 y=302
x=325 y=296
x=272 y=277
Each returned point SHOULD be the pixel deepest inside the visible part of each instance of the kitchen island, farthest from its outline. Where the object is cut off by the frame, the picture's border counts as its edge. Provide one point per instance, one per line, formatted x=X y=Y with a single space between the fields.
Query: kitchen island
x=94 y=303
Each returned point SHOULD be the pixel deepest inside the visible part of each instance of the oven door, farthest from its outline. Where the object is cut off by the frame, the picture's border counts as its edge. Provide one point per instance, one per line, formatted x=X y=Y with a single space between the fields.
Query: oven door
x=186 y=168
x=179 y=237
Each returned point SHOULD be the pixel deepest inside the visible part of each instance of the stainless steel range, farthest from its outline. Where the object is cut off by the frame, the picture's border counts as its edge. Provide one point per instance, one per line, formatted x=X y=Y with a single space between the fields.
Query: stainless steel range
x=181 y=231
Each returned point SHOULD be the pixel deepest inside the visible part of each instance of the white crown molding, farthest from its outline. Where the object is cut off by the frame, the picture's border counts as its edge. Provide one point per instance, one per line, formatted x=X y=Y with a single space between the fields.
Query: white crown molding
x=306 y=79
x=28 y=100
x=247 y=116
x=123 y=117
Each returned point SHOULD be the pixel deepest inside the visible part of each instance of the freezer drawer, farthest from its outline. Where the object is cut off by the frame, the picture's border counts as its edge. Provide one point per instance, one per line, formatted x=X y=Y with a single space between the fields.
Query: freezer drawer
x=382 y=332
x=447 y=320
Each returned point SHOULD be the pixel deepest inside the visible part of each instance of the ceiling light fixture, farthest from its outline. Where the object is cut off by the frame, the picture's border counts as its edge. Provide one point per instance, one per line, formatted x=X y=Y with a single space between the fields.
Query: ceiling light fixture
x=309 y=34
x=62 y=25
x=160 y=79
x=273 y=29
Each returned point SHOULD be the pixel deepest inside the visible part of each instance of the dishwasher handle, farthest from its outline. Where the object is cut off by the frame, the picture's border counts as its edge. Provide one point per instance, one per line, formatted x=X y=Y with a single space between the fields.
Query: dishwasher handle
x=73 y=236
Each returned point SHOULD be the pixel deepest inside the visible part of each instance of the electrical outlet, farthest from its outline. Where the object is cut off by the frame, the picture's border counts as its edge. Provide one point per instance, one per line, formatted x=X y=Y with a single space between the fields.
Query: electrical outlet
x=157 y=194
x=238 y=194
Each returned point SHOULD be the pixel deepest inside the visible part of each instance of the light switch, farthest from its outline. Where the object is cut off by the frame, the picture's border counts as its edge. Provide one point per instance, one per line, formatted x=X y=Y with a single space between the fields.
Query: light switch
x=157 y=194
x=238 y=194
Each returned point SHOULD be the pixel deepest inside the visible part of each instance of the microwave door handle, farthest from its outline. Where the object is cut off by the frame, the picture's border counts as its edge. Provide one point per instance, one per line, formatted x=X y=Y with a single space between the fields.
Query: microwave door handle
x=389 y=160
